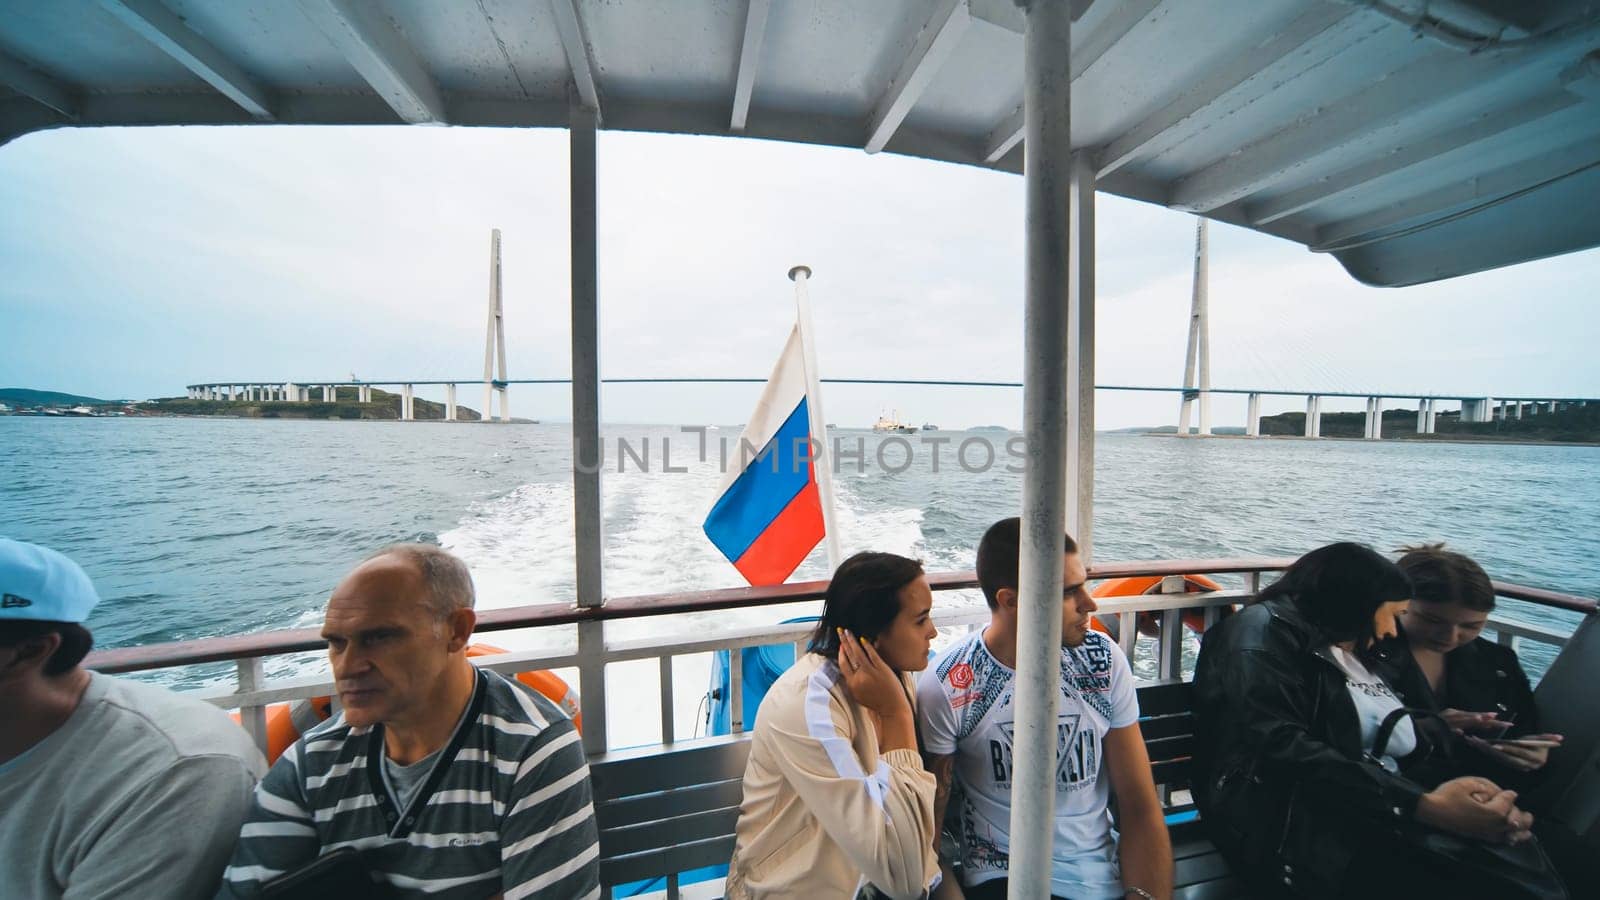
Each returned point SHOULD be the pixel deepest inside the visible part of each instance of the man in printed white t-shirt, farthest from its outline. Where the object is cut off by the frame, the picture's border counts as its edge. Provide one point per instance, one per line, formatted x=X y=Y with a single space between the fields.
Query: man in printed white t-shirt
x=965 y=709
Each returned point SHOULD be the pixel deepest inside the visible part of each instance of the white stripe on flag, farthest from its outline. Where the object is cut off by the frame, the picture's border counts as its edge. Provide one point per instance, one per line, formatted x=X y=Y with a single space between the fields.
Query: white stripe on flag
x=786 y=387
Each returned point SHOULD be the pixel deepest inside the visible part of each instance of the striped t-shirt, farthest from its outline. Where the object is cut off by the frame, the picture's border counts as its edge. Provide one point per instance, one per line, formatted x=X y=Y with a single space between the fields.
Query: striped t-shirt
x=507 y=808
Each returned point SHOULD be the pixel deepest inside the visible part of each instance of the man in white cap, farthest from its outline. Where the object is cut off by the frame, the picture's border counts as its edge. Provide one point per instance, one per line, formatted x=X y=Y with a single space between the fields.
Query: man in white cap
x=108 y=788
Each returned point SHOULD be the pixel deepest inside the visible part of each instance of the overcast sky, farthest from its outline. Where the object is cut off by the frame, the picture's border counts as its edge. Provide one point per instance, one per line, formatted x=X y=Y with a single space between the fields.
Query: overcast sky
x=134 y=261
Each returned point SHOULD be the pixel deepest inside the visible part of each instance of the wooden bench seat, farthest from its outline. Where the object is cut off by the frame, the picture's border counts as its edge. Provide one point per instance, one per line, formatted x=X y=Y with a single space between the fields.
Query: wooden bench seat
x=666 y=810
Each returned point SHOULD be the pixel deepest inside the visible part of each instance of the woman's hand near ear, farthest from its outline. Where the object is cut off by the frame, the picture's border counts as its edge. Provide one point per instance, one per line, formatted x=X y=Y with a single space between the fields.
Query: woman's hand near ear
x=873 y=684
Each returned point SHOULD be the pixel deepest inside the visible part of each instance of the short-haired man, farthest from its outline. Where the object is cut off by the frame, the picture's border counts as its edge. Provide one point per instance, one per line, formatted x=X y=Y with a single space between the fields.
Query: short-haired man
x=108 y=788
x=964 y=704
x=449 y=781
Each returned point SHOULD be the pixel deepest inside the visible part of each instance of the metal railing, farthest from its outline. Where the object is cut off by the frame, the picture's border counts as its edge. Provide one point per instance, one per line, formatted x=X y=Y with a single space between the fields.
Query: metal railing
x=252 y=694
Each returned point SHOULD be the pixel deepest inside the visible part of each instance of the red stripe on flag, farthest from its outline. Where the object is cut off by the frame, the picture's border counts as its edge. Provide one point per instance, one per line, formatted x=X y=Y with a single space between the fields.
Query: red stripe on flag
x=786 y=542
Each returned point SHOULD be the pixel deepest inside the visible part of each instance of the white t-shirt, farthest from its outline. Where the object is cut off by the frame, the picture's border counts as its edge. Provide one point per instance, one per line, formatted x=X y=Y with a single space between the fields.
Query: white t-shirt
x=1374 y=700
x=964 y=704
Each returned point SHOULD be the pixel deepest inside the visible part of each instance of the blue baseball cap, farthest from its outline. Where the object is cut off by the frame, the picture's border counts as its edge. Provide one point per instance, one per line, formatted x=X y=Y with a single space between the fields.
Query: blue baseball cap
x=38 y=584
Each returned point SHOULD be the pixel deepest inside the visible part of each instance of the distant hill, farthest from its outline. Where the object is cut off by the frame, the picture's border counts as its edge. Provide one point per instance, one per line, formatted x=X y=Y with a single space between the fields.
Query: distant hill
x=30 y=397
x=384 y=405
x=1173 y=429
x=1573 y=424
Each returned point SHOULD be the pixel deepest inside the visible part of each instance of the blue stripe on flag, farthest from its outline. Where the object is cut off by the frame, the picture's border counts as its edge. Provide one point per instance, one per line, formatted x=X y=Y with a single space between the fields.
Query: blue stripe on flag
x=765 y=488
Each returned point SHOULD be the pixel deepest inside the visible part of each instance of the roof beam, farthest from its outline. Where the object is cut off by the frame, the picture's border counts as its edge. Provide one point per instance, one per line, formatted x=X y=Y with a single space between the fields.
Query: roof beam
x=933 y=45
x=167 y=31
x=755 y=31
x=1485 y=125
x=1112 y=28
x=1500 y=184
x=1389 y=101
x=373 y=46
x=30 y=83
x=1139 y=140
x=579 y=58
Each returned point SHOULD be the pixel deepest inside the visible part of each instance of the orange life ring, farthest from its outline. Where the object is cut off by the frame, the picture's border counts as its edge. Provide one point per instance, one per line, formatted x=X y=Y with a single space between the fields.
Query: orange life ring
x=1149 y=621
x=545 y=682
x=286 y=722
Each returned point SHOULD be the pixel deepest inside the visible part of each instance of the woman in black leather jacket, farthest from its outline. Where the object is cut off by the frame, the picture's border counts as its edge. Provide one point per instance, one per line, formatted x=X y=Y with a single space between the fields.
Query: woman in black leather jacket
x=1304 y=777
x=1441 y=663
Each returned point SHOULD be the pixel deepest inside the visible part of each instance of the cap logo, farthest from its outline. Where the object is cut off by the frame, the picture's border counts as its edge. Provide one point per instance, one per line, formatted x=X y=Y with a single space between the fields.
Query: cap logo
x=12 y=601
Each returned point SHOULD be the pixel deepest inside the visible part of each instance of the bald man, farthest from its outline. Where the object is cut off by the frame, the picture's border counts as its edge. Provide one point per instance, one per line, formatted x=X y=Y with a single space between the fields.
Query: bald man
x=448 y=781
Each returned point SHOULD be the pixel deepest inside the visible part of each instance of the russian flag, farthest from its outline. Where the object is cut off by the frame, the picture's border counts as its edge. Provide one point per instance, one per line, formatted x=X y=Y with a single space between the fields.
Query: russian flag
x=768 y=515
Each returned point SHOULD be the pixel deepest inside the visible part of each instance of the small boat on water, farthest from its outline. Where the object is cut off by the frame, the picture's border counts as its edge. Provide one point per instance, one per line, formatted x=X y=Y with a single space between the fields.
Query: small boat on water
x=928 y=427
x=893 y=425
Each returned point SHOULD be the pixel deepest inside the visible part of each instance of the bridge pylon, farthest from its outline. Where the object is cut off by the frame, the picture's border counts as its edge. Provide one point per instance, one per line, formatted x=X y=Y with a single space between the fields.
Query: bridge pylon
x=494 y=342
x=1197 y=349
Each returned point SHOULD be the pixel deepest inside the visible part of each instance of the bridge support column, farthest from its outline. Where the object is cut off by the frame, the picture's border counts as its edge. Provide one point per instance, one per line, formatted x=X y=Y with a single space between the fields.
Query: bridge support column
x=449 y=403
x=1433 y=415
x=1552 y=407
x=407 y=398
x=1252 y=425
x=1313 y=416
x=1422 y=417
x=1519 y=409
x=505 y=404
x=1374 y=418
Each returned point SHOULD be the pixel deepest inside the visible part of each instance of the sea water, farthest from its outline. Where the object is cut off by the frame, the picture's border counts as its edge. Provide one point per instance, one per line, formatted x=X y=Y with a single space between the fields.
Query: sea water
x=196 y=528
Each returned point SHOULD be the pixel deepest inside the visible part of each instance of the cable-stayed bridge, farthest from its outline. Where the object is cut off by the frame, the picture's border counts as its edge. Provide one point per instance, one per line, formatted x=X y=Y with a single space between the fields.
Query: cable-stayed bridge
x=1195 y=391
x=1474 y=408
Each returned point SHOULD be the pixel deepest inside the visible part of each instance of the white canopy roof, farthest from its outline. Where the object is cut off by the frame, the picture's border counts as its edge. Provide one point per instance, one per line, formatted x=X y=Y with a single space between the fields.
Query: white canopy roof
x=1415 y=140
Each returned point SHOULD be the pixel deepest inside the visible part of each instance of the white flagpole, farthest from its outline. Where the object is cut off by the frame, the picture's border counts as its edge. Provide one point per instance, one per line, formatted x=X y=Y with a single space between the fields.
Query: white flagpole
x=824 y=455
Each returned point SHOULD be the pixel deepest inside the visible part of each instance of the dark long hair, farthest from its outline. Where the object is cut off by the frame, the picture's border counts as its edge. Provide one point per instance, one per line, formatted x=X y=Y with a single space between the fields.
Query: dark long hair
x=863 y=597
x=1340 y=587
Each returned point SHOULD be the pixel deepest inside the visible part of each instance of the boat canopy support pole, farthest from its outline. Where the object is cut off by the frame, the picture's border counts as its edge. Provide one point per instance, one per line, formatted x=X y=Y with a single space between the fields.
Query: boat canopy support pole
x=1080 y=378
x=1047 y=180
x=587 y=451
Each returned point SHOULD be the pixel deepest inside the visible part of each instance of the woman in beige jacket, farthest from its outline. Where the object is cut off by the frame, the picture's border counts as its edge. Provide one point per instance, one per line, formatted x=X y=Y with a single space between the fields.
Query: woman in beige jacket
x=837 y=803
